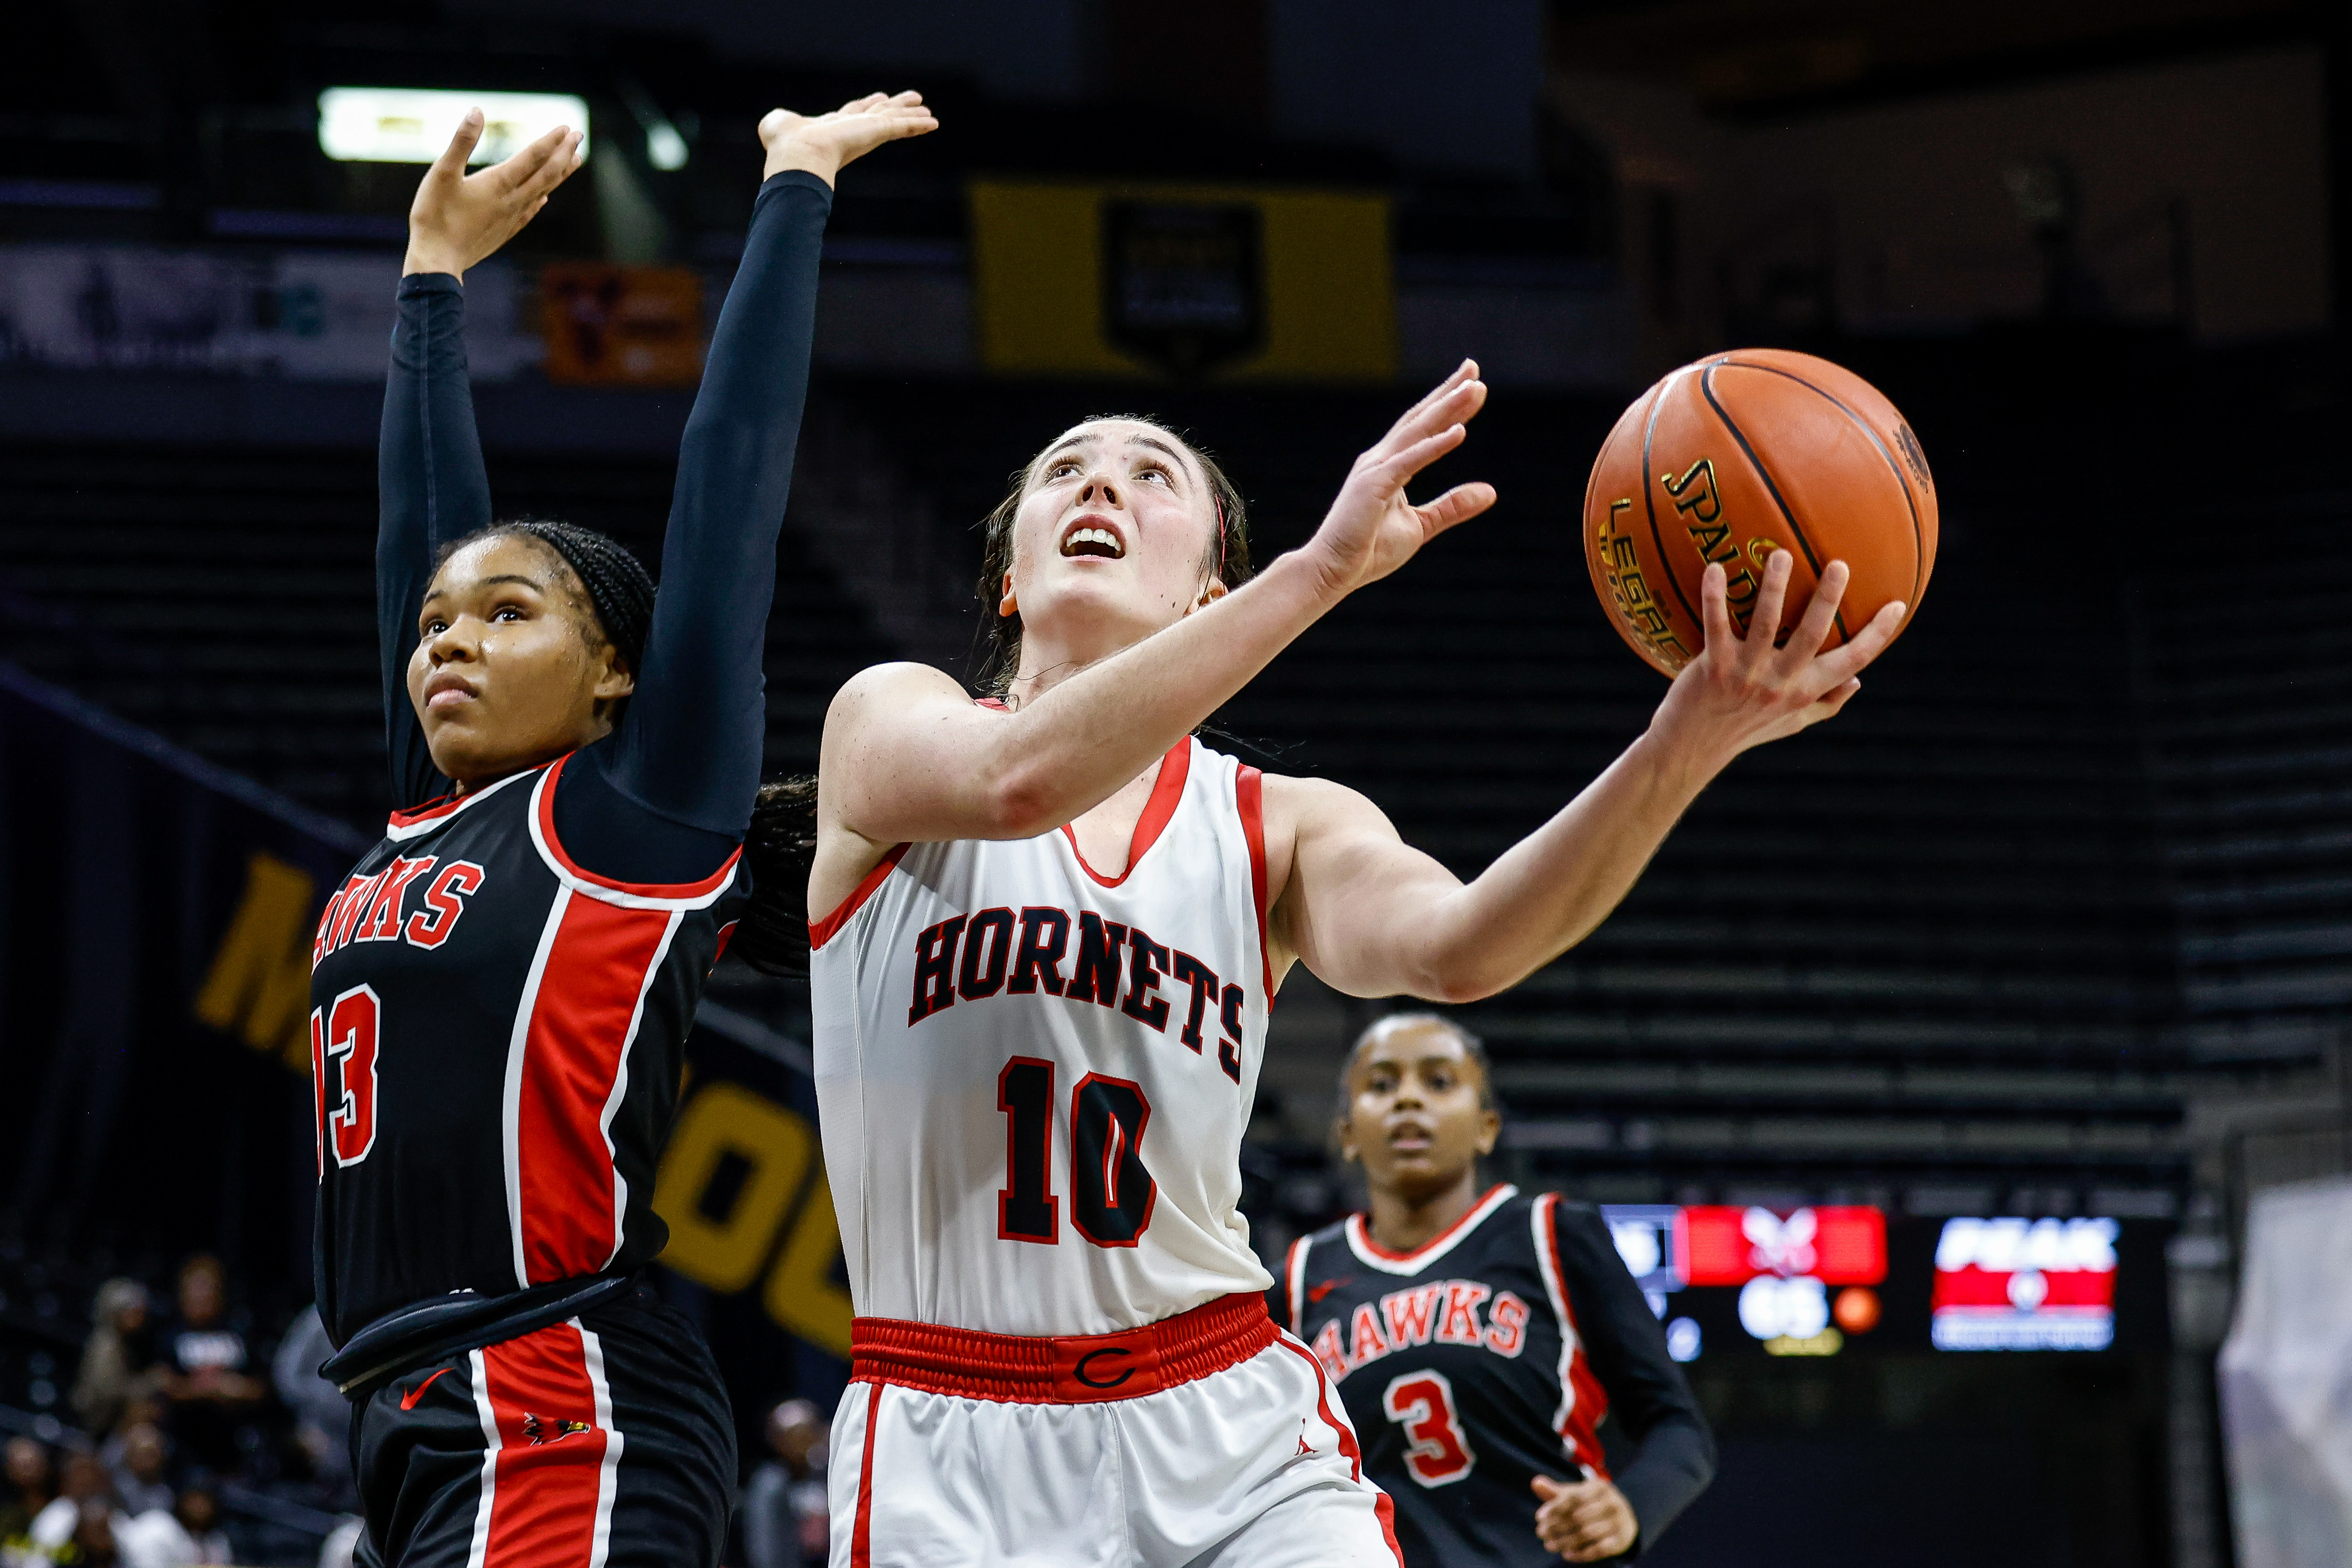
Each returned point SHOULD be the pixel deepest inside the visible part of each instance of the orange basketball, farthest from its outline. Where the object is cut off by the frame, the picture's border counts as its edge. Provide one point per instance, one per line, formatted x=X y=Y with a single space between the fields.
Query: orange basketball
x=1737 y=455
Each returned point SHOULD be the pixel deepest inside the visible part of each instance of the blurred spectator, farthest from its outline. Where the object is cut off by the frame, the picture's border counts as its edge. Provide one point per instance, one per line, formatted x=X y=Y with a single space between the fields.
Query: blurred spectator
x=93 y=1535
x=83 y=1485
x=204 y=1378
x=322 y=1418
x=138 y=1481
x=187 y=1534
x=785 y=1524
x=118 y=1363
x=27 y=1487
x=139 y=1410
x=199 y=1514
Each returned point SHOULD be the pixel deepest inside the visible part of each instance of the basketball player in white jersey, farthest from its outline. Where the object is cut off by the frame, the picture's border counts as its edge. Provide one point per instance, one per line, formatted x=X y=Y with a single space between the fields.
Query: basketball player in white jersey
x=1056 y=923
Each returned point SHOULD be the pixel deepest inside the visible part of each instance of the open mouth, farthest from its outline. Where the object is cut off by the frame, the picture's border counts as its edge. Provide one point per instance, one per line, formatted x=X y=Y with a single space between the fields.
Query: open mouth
x=1090 y=539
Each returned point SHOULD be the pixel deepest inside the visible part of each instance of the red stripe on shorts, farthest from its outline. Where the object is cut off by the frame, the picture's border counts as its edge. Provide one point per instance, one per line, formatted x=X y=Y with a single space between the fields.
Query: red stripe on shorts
x=861 y=1533
x=548 y=1509
x=1381 y=1505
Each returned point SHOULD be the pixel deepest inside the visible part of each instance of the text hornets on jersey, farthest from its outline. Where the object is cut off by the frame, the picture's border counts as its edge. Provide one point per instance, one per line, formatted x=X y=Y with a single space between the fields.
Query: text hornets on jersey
x=994 y=960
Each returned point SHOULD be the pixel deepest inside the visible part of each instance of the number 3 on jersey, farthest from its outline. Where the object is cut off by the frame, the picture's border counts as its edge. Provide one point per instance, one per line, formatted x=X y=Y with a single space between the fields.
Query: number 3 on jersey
x=342 y=1042
x=1114 y=1193
x=1423 y=1403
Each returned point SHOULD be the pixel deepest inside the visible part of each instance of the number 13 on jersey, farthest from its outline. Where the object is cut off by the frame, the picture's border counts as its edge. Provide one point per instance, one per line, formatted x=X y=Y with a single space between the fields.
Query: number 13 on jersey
x=1111 y=1196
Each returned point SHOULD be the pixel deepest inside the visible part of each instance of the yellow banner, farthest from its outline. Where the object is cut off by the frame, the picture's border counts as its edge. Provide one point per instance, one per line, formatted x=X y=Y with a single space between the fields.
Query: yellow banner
x=1188 y=281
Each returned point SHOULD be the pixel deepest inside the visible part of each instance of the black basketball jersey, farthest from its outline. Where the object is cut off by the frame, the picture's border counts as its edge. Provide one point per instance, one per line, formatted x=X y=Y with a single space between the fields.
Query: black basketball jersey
x=1465 y=1371
x=496 y=1035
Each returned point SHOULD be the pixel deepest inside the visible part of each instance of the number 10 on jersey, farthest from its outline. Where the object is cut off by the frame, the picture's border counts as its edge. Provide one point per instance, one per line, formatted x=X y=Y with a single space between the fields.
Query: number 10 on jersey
x=1111 y=1193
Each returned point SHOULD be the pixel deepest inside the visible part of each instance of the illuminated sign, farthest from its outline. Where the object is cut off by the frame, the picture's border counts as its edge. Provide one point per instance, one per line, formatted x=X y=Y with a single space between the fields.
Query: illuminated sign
x=412 y=125
x=1820 y=1280
x=1783 y=1266
x=1836 y=1245
x=2025 y=1285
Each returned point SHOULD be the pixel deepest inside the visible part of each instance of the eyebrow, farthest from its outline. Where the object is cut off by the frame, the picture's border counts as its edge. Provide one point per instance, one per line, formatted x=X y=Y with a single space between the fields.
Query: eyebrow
x=486 y=581
x=1076 y=441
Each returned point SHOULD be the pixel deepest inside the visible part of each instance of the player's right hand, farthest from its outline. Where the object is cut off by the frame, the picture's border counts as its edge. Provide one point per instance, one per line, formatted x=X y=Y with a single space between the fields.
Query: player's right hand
x=1584 y=1521
x=458 y=218
x=1371 y=529
x=1743 y=691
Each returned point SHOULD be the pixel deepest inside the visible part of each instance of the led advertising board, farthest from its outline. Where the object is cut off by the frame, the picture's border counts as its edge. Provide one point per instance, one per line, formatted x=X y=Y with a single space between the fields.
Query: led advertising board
x=2014 y=1284
x=1827 y=1278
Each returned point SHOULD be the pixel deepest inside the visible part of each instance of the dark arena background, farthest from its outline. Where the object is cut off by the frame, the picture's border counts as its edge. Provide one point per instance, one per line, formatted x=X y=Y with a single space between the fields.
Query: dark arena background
x=2036 y=960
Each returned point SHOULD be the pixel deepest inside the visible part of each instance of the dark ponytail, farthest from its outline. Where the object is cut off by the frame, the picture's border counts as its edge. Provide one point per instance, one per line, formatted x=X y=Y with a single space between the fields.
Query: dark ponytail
x=780 y=847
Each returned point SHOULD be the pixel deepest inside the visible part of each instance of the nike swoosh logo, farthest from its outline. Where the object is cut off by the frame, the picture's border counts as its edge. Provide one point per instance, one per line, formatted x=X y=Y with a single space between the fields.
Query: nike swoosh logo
x=408 y=1400
x=1317 y=1292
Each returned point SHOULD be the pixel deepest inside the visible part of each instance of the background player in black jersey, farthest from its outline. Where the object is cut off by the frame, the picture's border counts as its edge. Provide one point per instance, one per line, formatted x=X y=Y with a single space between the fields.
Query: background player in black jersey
x=1479 y=1336
x=503 y=988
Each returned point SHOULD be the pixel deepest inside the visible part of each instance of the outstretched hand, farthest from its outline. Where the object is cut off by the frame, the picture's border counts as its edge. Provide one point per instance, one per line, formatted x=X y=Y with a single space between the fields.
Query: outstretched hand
x=458 y=218
x=822 y=143
x=1742 y=691
x=1371 y=529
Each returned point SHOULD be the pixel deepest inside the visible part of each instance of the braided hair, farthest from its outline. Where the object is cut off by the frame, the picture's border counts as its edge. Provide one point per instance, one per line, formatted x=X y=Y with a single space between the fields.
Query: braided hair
x=619 y=589
x=780 y=846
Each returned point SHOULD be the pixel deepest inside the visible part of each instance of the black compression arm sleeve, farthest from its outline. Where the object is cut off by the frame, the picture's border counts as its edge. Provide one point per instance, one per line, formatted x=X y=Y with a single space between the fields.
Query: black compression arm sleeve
x=1674 y=1453
x=668 y=795
x=431 y=489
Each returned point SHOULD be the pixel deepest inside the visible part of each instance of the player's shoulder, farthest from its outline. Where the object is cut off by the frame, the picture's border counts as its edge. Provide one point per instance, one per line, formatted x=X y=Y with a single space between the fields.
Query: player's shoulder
x=1297 y=792
x=1333 y=1237
x=894 y=685
x=1574 y=1220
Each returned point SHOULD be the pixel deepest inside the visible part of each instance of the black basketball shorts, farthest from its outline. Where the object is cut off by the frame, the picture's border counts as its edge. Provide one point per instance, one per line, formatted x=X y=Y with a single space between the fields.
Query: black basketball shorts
x=603 y=1441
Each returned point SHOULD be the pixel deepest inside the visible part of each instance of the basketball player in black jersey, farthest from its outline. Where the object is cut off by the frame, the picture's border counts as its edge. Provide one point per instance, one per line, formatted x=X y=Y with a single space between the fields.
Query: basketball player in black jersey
x=502 y=988
x=1479 y=1336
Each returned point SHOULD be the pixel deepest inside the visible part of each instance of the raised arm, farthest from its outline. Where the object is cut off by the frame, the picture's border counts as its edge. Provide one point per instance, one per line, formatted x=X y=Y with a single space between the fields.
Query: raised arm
x=689 y=747
x=430 y=484
x=908 y=756
x=1371 y=916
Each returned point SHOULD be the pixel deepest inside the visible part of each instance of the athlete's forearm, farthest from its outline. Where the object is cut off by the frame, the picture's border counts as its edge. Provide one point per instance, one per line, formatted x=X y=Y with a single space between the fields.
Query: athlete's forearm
x=691 y=746
x=431 y=489
x=1550 y=890
x=1080 y=741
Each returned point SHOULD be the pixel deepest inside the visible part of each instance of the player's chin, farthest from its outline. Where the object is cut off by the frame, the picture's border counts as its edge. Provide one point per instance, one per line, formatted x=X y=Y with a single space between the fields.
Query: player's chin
x=462 y=750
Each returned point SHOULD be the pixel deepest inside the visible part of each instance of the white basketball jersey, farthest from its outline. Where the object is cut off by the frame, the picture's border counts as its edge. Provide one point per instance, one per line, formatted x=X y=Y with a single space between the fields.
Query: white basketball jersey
x=1033 y=1079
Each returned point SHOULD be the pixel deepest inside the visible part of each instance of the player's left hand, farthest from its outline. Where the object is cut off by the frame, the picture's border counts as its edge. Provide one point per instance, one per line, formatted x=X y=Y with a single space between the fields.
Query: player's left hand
x=822 y=143
x=1584 y=1521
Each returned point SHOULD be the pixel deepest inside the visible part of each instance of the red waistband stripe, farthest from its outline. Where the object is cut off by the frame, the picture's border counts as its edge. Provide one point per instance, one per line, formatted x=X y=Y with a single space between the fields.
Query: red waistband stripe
x=1077 y=1369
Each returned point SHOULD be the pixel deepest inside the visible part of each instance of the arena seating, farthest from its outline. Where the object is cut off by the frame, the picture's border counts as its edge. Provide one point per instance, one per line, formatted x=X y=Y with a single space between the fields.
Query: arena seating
x=1983 y=935
x=227 y=601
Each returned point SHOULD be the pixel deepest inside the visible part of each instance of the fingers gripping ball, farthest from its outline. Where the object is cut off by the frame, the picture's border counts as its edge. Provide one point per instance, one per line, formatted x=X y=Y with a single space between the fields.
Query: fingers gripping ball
x=1742 y=454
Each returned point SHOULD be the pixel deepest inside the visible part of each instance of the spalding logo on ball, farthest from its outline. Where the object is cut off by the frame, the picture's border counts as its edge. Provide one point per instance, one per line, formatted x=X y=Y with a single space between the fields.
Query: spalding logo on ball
x=1736 y=455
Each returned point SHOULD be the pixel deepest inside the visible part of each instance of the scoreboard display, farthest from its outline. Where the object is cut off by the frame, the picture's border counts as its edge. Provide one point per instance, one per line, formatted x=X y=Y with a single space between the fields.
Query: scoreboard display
x=1833 y=1279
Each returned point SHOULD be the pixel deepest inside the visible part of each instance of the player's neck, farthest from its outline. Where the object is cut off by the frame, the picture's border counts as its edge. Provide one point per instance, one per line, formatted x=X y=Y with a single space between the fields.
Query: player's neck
x=1403 y=1224
x=1051 y=654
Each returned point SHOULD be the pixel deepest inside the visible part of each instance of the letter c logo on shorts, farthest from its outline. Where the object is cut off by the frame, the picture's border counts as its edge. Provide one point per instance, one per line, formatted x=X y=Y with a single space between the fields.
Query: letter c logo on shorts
x=1079 y=1371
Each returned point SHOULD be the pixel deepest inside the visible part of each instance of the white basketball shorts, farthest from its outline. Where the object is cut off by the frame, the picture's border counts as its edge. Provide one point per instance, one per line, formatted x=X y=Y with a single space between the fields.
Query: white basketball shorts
x=1211 y=1437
